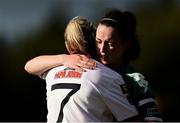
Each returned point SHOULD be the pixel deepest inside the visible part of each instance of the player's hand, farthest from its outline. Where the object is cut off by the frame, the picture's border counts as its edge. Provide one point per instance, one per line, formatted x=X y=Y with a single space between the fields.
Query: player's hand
x=79 y=62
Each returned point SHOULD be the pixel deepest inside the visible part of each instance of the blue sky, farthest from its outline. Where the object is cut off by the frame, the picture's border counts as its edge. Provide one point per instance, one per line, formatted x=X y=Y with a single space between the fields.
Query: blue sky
x=18 y=17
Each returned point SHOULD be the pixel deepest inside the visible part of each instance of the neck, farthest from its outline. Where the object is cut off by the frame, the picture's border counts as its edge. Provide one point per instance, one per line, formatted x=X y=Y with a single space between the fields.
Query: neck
x=119 y=68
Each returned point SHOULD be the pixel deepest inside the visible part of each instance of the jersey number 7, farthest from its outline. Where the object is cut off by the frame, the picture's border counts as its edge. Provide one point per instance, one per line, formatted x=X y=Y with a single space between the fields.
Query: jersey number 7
x=74 y=87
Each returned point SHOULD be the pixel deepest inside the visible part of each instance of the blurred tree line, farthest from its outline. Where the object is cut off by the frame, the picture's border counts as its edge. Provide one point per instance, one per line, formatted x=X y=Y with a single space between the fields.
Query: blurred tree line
x=160 y=42
x=23 y=96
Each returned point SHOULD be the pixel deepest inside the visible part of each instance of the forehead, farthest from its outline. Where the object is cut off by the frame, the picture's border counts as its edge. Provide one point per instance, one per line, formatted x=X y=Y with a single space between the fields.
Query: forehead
x=106 y=31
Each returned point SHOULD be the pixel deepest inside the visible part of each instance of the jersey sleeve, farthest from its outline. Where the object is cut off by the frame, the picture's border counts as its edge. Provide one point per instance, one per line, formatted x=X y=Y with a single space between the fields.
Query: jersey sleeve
x=143 y=97
x=43 y=75
x=117 y=102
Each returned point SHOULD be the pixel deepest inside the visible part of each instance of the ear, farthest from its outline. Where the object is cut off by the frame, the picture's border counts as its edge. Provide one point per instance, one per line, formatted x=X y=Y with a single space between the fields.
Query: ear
x=68 y=48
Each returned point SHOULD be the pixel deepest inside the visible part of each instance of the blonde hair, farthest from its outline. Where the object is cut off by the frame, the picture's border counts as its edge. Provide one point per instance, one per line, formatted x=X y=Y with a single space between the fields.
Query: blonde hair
x=78 y=34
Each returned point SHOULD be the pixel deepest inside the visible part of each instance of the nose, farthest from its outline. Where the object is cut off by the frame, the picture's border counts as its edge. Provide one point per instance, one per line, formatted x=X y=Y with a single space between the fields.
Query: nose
x=104 y=48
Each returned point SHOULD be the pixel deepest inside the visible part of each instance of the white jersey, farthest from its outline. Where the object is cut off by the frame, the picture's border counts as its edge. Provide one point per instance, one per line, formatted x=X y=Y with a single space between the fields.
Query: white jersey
x=92 y=96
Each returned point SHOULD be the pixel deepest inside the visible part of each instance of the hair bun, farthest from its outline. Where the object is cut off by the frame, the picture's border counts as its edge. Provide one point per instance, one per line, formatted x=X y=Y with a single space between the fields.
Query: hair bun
x=130 y=21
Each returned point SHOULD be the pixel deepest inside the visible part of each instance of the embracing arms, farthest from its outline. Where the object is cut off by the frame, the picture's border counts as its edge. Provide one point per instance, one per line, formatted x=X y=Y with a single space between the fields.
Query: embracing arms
x=43 y=63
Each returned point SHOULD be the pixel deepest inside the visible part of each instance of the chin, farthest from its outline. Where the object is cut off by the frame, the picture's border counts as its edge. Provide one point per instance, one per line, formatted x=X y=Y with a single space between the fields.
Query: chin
x=104 y=62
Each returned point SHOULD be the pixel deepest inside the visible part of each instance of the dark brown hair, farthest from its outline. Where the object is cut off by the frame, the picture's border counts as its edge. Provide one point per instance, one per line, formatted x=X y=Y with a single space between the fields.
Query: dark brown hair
x=125 y=23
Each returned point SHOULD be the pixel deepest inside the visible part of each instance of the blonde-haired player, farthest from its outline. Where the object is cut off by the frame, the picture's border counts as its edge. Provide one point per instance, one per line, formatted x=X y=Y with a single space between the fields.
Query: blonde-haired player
x=91 y=96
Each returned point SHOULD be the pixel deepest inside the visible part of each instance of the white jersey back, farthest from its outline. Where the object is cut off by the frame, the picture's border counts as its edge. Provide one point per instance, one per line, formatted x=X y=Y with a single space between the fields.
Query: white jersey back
x=92 y=96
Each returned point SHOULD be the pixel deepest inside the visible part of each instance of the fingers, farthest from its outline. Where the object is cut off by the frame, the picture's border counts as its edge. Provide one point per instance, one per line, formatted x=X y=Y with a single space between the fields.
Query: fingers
x=79 y=68
x=89 y=64
x=84 y=62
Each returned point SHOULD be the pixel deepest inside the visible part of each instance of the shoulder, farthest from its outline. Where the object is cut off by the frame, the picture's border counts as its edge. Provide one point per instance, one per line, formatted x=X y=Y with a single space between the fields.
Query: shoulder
x=104 y=76
x=51 y=71
x=106 y=71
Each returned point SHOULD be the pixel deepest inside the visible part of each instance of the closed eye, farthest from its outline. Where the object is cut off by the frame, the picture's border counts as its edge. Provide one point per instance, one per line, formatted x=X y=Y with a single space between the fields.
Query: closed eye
x=98 y=41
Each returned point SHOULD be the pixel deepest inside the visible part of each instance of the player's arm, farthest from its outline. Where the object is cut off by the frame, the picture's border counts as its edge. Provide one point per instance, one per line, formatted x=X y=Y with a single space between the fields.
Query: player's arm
x=149 y=110
x=144 y=98
x=41 y=64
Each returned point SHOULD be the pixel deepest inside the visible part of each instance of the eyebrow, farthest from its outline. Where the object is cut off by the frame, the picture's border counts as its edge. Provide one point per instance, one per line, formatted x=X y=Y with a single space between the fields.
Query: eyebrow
x=109 y=40
x=98 y=38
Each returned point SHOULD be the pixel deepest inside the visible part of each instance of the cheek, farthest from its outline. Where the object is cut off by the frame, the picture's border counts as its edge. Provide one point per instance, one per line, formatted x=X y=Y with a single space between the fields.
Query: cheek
x=117 y=51
x=113 y=48
x=98 y=47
